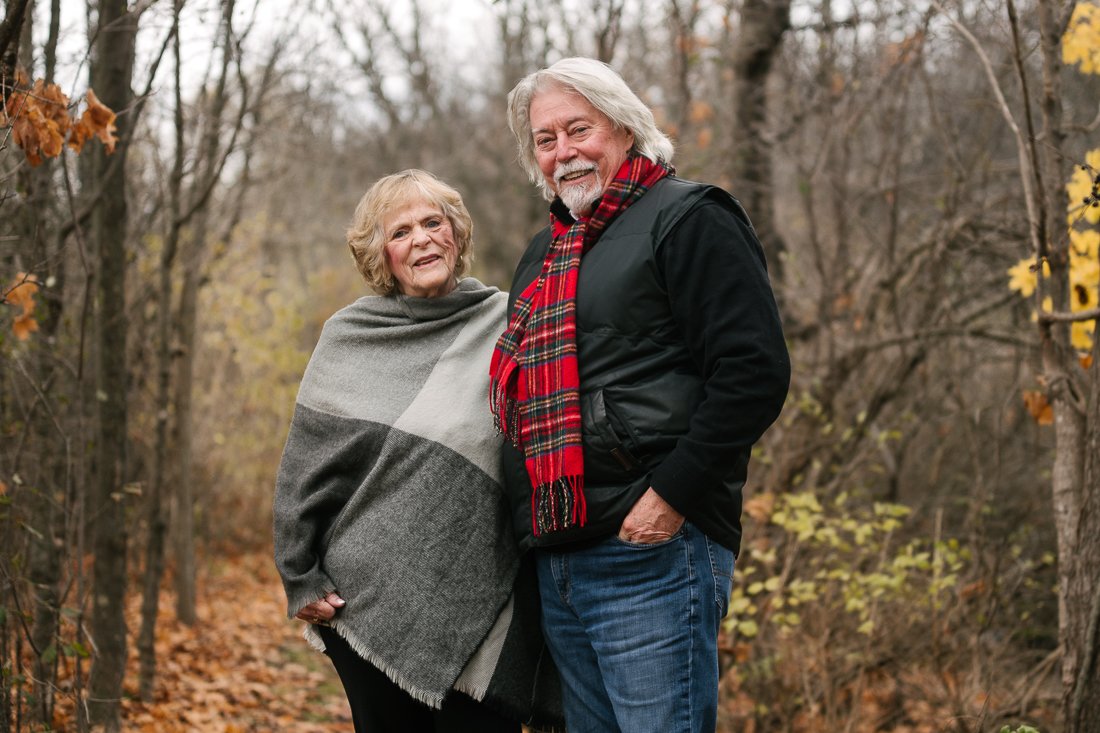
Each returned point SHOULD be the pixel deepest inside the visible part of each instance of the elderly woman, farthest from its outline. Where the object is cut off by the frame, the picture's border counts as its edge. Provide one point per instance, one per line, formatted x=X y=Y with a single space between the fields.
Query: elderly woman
x=392 y=536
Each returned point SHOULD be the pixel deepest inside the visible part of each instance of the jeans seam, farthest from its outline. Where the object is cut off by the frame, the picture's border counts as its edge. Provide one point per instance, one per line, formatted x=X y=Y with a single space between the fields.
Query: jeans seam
x=715 y=573
x=694 y=628
x=564 y=586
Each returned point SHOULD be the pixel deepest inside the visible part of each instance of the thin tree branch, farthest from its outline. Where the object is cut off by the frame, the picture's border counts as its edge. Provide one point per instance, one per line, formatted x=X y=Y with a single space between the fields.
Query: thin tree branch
x=1069 y=317
x=1018 y=59
x=1021 y=144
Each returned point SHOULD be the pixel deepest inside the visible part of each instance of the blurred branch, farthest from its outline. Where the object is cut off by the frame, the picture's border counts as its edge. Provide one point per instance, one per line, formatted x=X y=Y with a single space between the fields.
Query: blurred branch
x=1069 y=317
x=1021 y=145
x=92 y=201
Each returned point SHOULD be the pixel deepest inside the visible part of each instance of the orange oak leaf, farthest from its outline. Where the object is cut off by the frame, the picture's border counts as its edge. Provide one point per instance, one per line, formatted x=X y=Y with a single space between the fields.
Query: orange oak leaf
x=21 y=294
x=23 y=327
x=41 y=125
x=39 y=119
x=98 y=120
x=760 y=506
x=1036 y=404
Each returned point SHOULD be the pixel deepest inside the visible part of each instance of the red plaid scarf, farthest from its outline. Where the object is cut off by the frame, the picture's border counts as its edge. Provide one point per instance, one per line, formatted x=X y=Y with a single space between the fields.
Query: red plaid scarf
x=534 y=393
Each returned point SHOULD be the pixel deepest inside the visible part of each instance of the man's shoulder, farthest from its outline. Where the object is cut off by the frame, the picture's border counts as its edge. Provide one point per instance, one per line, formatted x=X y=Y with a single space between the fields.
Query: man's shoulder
x=696 y=197
x=674 y=188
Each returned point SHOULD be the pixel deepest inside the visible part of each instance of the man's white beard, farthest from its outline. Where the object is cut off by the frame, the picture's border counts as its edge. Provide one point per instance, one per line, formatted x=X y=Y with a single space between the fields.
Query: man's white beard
x=579 y=197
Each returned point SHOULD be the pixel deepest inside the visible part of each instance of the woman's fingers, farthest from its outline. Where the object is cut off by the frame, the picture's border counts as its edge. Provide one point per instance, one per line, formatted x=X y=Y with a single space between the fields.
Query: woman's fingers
x=321 y=611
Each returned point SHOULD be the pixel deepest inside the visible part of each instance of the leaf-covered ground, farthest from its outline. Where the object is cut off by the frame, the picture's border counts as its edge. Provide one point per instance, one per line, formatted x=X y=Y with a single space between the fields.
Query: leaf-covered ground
x=244 y=668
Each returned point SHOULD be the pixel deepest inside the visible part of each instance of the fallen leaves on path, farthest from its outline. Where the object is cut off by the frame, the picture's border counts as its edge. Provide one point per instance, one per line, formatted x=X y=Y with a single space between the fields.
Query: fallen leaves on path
x=243 y=668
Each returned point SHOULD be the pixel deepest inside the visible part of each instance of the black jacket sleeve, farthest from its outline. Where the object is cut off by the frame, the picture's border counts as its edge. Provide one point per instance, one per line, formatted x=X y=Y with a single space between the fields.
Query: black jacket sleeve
x=718 y=289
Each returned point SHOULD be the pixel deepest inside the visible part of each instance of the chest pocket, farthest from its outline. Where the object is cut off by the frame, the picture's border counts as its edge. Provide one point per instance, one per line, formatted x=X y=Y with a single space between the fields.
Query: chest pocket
x=611 y=449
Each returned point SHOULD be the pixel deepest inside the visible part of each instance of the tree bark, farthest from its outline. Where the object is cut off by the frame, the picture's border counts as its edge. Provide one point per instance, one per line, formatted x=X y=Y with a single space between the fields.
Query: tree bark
x=156 y=514
x=193 y=256
x=112 y=69
x=1082 y=702
x=763 y=24
x=10 y=30
x=1074 y=396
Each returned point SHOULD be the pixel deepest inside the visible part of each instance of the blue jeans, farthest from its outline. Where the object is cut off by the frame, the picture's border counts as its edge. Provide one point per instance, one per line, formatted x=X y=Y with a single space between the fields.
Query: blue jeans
x=633 y=630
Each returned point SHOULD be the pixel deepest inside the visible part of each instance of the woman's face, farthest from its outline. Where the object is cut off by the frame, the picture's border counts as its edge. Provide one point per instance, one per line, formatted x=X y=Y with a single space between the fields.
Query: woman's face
x=421 y=250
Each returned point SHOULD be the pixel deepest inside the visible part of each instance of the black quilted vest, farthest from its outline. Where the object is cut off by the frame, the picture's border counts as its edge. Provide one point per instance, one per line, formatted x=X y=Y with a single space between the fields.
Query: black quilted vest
x=639 y=385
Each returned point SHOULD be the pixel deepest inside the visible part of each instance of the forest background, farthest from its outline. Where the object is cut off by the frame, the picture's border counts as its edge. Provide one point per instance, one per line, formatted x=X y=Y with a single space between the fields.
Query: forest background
x=923 y=523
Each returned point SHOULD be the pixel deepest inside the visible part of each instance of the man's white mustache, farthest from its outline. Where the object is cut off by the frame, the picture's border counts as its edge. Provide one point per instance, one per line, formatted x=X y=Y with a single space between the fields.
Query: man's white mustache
x=574 y=166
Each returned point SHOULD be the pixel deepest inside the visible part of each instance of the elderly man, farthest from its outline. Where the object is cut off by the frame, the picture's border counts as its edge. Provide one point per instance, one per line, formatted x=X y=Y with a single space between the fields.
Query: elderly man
x=642 y=359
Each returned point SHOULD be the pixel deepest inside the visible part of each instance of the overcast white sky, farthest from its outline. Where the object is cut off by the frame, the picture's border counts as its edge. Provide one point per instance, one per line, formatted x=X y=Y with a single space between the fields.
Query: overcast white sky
x=465 y=26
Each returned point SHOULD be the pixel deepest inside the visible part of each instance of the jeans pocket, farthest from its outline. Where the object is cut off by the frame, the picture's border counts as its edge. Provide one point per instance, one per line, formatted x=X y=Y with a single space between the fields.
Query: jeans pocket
x=677 y=535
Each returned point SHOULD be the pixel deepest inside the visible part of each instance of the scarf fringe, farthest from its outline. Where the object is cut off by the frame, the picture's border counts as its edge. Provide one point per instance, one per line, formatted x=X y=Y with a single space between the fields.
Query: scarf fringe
x=433 y=700
x=506 y=421
x=558 y=505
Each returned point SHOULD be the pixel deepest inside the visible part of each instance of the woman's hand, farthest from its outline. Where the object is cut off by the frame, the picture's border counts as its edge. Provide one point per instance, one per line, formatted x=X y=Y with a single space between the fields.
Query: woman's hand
x=322 y=611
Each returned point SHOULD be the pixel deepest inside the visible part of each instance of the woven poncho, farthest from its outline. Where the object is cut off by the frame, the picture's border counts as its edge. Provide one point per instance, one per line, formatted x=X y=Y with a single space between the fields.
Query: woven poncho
x=389 y=492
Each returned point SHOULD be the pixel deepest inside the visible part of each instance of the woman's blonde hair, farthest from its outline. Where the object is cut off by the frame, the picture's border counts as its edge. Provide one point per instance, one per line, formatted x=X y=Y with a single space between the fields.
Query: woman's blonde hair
x=367 y=238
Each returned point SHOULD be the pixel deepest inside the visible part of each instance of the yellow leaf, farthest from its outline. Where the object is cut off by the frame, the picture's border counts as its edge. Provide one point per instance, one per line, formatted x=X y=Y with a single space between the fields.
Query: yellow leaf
x=1022 y=278
x=1085 y=246
x=1079 y=191
x=1081 y=42
x=1081 y=335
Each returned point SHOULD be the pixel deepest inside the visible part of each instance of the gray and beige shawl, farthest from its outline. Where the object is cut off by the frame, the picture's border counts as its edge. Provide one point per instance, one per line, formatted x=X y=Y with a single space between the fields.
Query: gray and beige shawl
x=389 y=492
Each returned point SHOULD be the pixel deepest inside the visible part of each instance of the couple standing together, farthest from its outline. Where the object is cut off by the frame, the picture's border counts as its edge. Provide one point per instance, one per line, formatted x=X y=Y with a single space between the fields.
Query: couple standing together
x=491 y=507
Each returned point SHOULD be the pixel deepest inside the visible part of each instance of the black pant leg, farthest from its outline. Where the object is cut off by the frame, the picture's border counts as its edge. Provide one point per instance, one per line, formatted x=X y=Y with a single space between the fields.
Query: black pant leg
x=377 y=704
x=463 y=714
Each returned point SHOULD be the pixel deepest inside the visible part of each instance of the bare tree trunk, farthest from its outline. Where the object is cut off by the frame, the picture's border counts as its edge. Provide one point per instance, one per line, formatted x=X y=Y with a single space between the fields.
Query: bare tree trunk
x=111 y=78
x=209 y=169
x=1084 y=707
x=184 y=530
x=608 y=22
x=47 y=499
x=155 y=506
x=1082 y=702
x=10 y=30
x=683 y=21
x=763 y=24
x=1074 y=395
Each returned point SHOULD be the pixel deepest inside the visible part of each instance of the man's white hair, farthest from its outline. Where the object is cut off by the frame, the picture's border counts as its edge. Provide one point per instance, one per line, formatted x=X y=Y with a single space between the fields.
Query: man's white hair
x=605 y=90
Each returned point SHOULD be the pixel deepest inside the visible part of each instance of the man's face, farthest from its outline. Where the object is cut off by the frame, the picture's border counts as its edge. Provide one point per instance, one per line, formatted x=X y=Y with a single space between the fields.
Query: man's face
x=577 y=147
